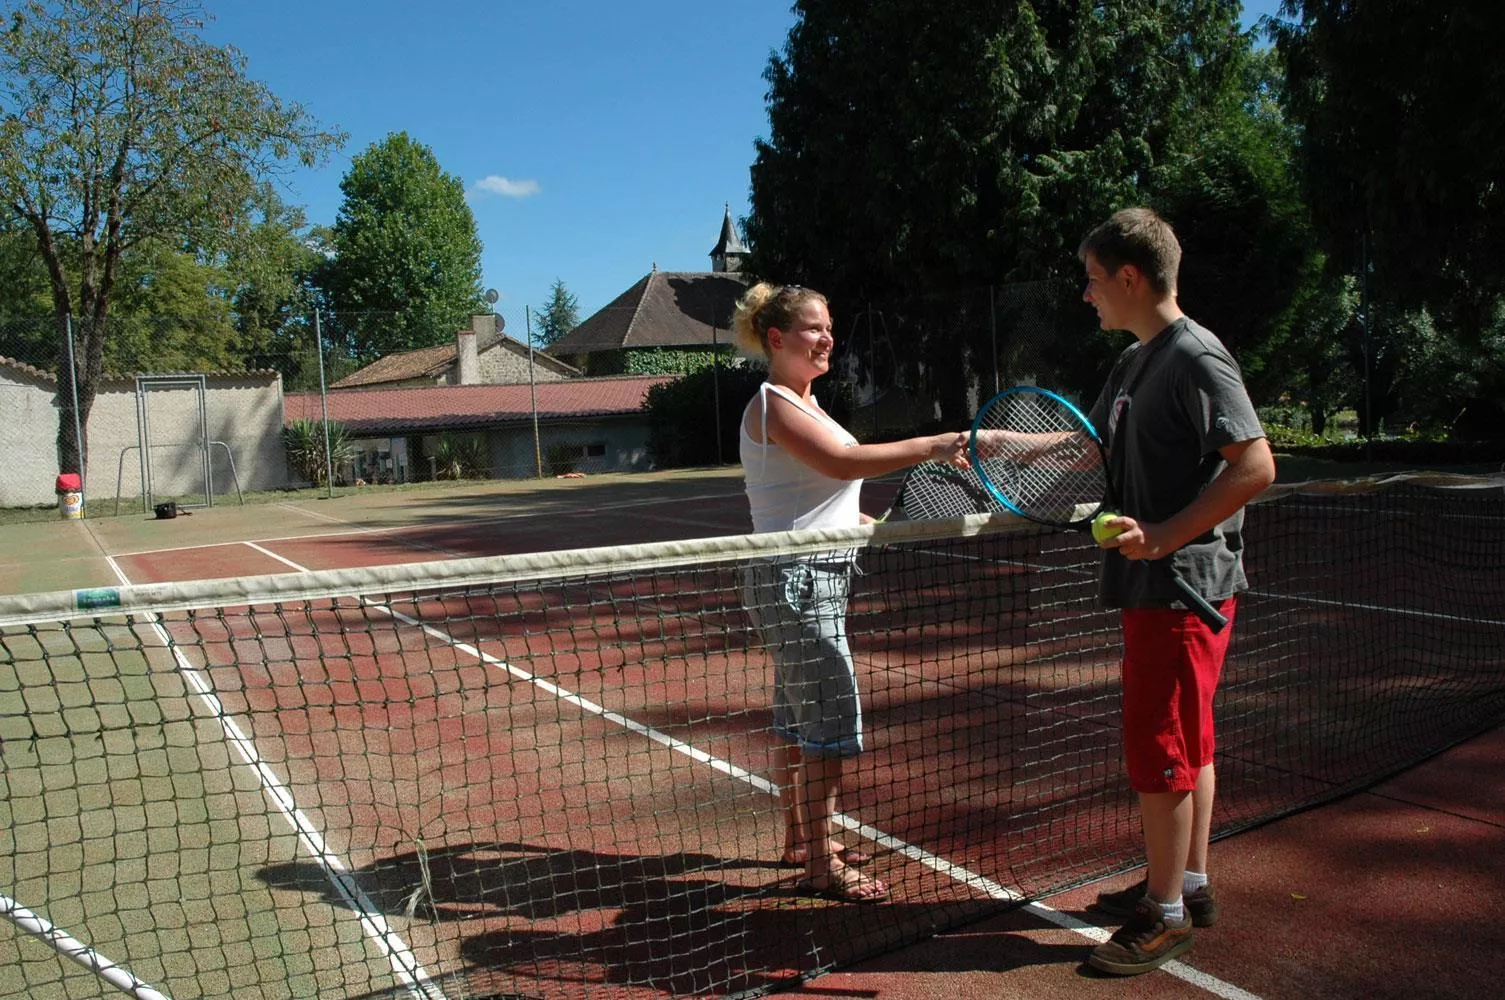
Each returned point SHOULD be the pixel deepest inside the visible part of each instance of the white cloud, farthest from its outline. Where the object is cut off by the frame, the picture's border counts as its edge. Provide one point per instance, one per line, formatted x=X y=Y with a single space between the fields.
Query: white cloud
x=504 y=186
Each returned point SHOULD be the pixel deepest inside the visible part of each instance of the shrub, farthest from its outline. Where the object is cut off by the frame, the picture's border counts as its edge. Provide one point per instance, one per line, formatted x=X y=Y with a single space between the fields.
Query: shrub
x=305 y=441
x=460 y=457
x=1284 y=437
x=682 y=415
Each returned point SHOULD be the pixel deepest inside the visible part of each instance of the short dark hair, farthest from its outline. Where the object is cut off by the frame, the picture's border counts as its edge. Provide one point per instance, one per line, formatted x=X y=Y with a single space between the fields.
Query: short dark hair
x=1140 y=237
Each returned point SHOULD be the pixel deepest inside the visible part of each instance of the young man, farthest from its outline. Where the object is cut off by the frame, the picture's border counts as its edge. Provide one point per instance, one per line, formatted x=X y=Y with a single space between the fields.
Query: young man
x=1186 y=452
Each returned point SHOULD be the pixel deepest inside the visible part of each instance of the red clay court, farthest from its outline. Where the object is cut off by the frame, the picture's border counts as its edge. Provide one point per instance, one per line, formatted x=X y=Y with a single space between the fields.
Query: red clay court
x=557 y=789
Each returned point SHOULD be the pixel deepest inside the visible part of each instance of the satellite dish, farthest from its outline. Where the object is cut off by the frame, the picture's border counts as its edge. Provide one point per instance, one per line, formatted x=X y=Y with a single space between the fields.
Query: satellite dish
x=492 y=296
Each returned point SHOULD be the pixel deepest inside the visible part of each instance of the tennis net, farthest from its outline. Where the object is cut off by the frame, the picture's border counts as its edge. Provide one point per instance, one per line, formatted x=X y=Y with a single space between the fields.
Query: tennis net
x=550 y=775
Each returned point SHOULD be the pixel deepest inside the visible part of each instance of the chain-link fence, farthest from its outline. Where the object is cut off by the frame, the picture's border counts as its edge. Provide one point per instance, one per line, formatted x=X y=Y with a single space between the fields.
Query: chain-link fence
x=152 y=409
x=197 y=412
x=927 y=362
x=156 y=409
x=912 y=364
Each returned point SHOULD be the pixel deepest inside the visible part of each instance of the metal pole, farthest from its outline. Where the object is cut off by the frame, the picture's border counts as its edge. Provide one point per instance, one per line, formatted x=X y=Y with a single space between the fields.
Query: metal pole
x=716 y=389
x=1364 y=306
x=993 y=330
x=78 y=427
x=324 y=406
x=872 y=364
x=143 y=441
x=205 y=458
x=533 y=395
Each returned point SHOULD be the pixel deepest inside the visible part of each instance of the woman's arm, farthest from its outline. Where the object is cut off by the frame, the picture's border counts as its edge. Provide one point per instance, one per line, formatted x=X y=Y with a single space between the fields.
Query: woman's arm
x=811 y=441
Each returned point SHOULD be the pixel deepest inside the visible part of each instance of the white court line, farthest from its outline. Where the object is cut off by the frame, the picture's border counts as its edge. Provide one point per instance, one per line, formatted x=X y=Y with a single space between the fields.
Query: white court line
x=1362 y=606
x=240 y=541
x=356 y=529
x=70 y=947
x=325 y=517
x=268 y=552
x=1182 y=971
x=404 y=963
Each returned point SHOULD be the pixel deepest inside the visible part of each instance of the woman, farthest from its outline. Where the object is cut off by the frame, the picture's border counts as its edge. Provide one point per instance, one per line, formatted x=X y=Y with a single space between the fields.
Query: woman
x=804 y=470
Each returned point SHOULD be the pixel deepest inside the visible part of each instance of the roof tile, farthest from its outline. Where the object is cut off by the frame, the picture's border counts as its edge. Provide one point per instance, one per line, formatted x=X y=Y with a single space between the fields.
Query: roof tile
x=663 y=309
x=451 y=407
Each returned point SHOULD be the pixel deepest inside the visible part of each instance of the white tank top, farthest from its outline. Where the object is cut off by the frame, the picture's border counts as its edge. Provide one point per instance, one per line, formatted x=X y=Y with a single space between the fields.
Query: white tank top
x=786 y=494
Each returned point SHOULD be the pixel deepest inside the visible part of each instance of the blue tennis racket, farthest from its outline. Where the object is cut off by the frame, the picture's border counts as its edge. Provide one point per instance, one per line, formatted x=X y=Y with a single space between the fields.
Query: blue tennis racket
x=1042 y=459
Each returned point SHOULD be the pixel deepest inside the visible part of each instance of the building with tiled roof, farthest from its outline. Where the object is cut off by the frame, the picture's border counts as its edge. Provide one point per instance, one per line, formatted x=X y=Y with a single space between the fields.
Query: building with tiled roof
x=481 y=354
x=409 y=409
x=662 y=313
x=583 y=425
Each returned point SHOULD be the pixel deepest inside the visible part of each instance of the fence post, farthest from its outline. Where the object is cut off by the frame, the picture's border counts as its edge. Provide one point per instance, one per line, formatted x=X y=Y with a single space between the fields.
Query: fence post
x=993 y=332
x=324 y=408
x=78 y=428
x=1364 y=307
x=533 y=396
x=716 y=388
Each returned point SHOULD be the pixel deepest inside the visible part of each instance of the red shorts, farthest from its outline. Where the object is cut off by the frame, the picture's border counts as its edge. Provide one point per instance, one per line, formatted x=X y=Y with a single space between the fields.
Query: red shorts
x=1171 y=665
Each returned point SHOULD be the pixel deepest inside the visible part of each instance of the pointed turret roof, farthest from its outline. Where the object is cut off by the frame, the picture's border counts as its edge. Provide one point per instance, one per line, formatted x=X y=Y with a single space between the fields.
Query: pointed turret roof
x=730 y=242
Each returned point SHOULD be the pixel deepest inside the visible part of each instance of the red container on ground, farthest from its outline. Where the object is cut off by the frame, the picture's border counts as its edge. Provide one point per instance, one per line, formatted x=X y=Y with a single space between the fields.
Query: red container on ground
x=70 y=495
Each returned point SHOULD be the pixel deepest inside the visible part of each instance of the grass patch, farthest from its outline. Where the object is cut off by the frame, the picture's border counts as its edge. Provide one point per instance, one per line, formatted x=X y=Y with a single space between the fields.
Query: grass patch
x=102 y=509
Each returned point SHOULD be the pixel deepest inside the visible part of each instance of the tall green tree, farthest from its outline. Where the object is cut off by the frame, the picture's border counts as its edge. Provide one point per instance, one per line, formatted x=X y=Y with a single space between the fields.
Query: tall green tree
x=406 y=271
x=1402 y=168
x=1251 y=258
x=27 y=334
x=919 y=148
x=171 y=312
x=559 y=316
x=270 y=265
x=120 y=125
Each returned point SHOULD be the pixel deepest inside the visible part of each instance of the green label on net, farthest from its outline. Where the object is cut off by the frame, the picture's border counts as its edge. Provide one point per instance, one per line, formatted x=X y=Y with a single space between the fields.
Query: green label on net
x=97 y=597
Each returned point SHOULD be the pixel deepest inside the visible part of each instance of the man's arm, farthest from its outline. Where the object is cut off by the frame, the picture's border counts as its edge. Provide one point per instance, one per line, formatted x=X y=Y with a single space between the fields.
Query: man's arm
x=1251 y=468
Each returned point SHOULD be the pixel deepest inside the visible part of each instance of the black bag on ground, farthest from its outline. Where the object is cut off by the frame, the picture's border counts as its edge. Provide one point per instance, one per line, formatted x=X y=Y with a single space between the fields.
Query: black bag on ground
x=166 y=510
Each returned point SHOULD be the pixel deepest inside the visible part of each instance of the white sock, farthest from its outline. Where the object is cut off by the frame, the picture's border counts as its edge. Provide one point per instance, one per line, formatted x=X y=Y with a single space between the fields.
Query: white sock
x=1192 y=881
x=1172 y=911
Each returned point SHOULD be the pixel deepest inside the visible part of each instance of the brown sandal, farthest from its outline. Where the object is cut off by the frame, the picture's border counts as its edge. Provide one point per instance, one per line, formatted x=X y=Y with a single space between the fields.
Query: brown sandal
x=859 y=888
x=848 y=855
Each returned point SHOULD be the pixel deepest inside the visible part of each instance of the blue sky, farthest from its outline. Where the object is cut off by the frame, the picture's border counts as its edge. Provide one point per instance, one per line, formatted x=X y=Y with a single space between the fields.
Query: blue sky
x=595 y=139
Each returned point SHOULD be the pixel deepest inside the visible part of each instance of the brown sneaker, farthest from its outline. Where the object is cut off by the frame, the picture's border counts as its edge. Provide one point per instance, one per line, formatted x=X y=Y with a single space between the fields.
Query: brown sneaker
x=1146 y=942
x=1201 y=906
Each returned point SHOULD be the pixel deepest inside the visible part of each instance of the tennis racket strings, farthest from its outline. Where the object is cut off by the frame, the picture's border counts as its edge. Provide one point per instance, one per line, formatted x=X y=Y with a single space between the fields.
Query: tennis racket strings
x=1034 y=448
x=933 y=491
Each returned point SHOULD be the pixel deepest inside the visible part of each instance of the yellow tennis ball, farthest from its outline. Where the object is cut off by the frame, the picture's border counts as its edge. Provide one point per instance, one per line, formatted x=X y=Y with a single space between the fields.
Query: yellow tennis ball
x=1100 y=530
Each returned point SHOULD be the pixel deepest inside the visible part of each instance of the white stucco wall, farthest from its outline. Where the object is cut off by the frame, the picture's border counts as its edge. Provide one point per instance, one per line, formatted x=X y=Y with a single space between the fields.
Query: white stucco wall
x=28 y=440
x=243 y=411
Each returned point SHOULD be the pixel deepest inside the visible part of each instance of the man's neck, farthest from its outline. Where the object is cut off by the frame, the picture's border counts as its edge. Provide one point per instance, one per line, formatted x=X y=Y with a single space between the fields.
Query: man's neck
x=1155 y=318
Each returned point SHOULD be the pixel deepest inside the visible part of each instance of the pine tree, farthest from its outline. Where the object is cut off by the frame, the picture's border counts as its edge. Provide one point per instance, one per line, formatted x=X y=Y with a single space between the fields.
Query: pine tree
x=558 y=317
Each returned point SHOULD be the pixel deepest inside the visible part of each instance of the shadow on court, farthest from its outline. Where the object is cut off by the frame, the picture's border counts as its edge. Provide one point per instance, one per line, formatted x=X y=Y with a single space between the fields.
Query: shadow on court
x=526 y=920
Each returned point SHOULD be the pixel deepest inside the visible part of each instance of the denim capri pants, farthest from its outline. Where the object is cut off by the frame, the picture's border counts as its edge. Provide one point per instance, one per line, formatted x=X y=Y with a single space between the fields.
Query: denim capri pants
x=799 y=606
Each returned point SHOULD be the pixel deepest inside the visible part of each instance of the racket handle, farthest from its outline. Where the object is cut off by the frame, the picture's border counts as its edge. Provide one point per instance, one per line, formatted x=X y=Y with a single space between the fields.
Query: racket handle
x=1209 y=614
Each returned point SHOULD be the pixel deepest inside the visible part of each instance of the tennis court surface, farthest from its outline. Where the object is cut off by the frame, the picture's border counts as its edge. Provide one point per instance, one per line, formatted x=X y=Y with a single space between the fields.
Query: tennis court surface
x=517 y=744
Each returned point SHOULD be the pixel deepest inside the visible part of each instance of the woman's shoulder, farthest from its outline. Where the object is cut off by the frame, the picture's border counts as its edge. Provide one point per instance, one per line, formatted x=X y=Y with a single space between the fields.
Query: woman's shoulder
x=781 y=401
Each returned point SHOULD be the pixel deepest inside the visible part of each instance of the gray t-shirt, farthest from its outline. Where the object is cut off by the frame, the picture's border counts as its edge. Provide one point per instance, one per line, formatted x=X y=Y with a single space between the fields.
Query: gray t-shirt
x=1166 y=409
